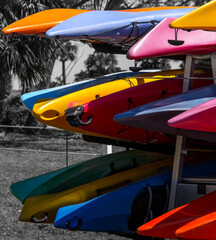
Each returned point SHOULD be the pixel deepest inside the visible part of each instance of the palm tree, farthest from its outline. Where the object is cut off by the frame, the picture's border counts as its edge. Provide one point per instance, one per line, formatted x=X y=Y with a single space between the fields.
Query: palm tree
x=30 y=59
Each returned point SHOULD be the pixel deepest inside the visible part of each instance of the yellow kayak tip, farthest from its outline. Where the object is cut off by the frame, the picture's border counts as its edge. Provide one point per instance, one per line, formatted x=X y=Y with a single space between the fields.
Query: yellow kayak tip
x=41 y=22
x=202 y=18
x=53 y=118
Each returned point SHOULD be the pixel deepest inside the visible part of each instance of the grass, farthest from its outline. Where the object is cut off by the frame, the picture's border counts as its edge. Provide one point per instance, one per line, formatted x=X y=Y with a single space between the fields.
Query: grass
x=22 y=163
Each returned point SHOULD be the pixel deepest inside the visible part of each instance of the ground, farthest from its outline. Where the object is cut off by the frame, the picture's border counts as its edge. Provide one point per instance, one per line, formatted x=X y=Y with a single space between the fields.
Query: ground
x=23 y=156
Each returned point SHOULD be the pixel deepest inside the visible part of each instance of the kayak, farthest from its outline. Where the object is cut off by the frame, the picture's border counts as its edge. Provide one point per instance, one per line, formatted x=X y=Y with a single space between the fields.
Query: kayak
x=202 y=228
x=155 y=44
x=113 y=27
x=198 y=118
x=29 y=99
x=142 y=200
x=154 y=116
x=40 y=22
x=82 y=173
x=52 y=112
x=185 y=221
x=200 y=18
x=43 y=208
x=115 y=212
x=94 y=115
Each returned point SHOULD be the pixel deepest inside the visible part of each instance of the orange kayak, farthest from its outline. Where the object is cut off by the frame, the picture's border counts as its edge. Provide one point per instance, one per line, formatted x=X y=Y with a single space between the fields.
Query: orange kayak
x=39 y=23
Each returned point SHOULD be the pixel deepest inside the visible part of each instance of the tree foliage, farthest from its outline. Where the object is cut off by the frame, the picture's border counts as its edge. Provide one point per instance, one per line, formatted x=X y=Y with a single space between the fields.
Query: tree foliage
x=15 y=113
x=98 y=64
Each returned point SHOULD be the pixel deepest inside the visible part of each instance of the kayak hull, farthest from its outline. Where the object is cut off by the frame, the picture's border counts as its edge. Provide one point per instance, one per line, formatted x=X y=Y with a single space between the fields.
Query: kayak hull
x=117 y=217
x=115 y=27
x=154 y=116
x=101 y=111
x=52 y=112
x=35 y=207
x=156 y=42
x=175 y=223
x=200 y=18
x=81 y=173
x=198 y=118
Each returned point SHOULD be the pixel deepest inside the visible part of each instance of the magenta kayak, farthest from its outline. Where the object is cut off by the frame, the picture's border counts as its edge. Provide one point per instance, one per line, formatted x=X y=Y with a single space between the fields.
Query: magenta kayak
x=156 y=43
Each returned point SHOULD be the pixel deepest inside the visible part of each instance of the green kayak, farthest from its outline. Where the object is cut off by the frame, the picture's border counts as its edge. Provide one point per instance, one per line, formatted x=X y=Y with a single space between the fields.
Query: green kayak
x=82 y=173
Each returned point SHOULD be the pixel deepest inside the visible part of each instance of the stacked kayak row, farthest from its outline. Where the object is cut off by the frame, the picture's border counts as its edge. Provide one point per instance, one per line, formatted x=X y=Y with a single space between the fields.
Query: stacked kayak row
x=119 y=192
x=89 y=195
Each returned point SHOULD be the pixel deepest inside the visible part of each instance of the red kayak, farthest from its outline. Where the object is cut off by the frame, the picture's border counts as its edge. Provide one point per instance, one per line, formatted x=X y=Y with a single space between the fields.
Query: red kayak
x=97 y=115
x=202 y=228
x=177 y=222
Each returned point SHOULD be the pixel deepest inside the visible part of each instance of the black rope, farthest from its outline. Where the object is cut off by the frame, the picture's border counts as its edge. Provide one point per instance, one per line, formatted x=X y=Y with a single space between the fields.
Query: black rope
x=167 y=197
x=123 y=129
x=153 y=24
x=163 y=93
x=130 y=102
x=129 y=81
x=128 y=35
x=149 y=137
x=149 y=213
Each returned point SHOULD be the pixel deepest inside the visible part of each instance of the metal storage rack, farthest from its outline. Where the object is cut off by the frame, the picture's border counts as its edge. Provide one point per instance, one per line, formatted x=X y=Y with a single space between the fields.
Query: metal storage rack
x=179 y=186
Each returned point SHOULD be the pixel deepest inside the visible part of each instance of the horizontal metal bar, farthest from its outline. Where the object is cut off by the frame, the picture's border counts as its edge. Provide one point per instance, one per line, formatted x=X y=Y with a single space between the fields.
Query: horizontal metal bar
x=44 y=151
x=31 y=127
x=199 y=180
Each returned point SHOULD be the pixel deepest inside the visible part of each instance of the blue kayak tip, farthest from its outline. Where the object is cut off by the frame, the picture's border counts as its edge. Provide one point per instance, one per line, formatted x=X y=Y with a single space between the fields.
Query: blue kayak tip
x=62 y=217
x=102 y=23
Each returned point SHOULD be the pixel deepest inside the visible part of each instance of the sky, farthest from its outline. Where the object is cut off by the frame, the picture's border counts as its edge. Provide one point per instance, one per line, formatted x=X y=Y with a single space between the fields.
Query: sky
x=83 y=51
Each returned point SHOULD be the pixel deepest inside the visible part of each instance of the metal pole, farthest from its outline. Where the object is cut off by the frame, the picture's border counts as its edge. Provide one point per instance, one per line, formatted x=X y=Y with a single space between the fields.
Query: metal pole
x=63 y=72
x=67 y=149
x=177 y=170
x=213 y=65
x=107 y=149
x=180 y=141
x=188 y=72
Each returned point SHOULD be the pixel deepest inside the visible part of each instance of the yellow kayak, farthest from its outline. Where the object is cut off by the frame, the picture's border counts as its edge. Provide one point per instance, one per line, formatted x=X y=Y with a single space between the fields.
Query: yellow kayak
x=52 y=111
x=43 y=208
x=201 y=18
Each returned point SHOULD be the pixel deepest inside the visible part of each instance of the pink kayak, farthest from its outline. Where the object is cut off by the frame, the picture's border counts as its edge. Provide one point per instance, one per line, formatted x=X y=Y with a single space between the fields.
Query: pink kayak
x=200 y=118
x=157 y=42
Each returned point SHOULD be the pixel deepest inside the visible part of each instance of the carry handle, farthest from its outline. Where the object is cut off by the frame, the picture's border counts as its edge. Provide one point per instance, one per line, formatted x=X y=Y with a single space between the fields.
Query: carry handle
x=101 y=191
x=74 y=114
x=43 y=219
x=176 y=42
x=77 y=227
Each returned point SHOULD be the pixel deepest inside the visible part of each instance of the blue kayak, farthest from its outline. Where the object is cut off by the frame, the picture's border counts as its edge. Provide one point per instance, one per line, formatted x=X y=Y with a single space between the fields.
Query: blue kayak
x=113 y=27
x=30 y=98
x=154 y=116
x=125 y=209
